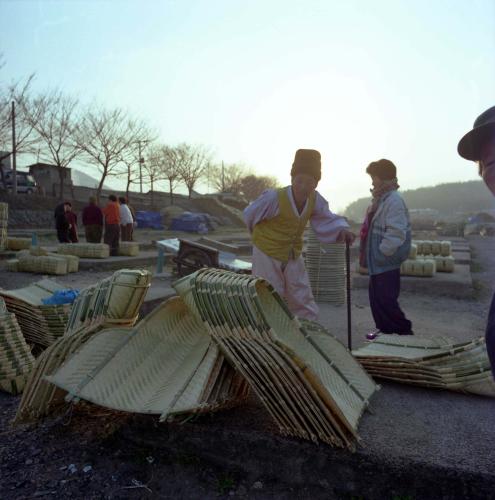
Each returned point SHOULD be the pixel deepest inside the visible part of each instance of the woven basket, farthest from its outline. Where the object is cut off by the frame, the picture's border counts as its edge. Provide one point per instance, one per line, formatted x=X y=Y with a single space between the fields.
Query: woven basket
x=85 y=250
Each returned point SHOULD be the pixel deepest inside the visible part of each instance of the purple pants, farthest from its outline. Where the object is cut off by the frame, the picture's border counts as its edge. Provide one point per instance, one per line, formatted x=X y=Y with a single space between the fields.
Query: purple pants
x=490 y=335
x=384 y=292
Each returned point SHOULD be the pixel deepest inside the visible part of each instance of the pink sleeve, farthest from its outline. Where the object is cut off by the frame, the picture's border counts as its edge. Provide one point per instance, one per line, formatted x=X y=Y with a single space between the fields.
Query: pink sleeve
x=264 y=207
x=326 y=224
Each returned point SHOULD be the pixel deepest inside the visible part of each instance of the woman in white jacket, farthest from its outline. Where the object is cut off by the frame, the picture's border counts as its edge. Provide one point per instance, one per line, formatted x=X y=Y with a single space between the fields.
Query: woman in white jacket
x=385 y=244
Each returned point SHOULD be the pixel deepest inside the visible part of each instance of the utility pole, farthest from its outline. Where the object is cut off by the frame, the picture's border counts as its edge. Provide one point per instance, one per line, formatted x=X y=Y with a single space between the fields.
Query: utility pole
x=141 y=161
x=14 y=164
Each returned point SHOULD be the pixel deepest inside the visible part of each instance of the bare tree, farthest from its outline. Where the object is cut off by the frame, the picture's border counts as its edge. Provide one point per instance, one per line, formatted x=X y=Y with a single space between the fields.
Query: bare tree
x=153 y=167
x=105 y=136
x=253 y=185
x=53 y=117
x=194 y=164
x=25 y=140
x=172 y=160
x=229 y=178
x=133 y=156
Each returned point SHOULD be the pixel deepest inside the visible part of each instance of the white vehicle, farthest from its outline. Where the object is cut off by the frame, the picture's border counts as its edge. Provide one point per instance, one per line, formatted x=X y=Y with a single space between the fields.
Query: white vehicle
x=25 y=182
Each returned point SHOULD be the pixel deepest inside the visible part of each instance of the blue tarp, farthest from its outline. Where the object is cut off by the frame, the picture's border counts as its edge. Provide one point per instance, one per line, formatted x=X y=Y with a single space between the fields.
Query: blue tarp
x=191 y=222
x=151 y=220
x=60 y=297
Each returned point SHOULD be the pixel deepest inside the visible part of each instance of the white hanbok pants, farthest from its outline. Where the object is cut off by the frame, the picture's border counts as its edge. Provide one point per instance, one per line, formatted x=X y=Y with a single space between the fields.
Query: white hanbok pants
x=290 y=280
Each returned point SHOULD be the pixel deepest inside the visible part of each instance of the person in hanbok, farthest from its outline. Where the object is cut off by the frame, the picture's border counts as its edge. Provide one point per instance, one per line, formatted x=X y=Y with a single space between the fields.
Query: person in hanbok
x=276 y=221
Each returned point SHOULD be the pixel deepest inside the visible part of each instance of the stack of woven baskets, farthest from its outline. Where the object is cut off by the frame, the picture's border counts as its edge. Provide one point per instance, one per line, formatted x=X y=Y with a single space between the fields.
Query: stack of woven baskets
x=38 y=260
x=326 y=268
x=114 y=301
x=16 y=360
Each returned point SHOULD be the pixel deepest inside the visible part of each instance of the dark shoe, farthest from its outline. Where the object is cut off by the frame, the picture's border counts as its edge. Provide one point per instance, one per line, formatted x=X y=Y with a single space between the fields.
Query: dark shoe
x=370 y=336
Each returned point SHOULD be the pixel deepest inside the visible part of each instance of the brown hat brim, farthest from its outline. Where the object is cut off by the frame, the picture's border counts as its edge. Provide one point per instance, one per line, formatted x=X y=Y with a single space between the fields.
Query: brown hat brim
x=469 y=146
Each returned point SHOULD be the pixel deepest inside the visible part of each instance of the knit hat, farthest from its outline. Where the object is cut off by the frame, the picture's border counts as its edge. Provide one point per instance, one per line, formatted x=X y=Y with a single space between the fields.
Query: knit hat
x=383 y=169
x=307 y=161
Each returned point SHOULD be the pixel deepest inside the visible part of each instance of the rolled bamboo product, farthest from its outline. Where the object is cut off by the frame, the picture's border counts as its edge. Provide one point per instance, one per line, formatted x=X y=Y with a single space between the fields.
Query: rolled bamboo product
x=436 y=247
x=446 y=248
x=72 y=261
x=419 y=246
x=43 y=264
x=128 y=248
x=445 y=264
x=413 y=252
x=18 y=243
x=85 y=250
x=426 y=247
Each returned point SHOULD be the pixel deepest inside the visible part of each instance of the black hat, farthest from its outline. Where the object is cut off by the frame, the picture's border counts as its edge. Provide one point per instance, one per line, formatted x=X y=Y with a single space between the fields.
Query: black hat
x=484 y=127
x=307 y=161
x=384 y=169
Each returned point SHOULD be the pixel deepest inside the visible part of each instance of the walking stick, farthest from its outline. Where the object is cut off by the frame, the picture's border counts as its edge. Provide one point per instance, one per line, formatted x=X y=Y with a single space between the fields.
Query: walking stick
x=348 y=284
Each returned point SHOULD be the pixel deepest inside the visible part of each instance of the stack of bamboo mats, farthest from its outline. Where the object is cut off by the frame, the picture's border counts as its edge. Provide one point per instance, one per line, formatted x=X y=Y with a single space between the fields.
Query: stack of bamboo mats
x=38 y=260
x=85 y=250
x=306 y=379
x=115 y=300
x=4 y=218
x=326 y=267
x=40 y=324
x=16 y=359
x=165 y=365
x=431 y=362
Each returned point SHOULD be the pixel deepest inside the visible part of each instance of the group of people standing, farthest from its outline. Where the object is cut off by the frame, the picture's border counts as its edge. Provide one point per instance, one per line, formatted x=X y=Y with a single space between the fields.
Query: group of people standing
x=115 y=222
x=276 y=221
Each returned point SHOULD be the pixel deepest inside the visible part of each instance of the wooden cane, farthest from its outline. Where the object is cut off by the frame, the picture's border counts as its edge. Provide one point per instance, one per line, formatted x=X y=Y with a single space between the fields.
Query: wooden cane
x=348 y=284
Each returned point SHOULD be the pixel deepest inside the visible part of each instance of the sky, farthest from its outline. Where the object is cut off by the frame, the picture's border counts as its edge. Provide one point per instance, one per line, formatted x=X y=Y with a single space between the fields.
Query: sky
x=256 y=80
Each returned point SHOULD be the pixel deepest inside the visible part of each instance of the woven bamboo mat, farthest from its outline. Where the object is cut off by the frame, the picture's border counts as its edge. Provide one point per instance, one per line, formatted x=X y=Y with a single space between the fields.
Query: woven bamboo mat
x=432 y=362
x=307 y=380
x=16 y=360
x=166 y=364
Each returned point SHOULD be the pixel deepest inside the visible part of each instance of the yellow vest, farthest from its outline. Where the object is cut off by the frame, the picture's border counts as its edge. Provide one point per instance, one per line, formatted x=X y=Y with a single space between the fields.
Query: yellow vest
x=282 y=236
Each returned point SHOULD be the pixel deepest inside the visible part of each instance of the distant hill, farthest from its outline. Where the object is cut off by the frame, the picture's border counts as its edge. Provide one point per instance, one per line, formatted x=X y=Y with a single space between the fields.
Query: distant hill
x=449 y=199
x=81 y=179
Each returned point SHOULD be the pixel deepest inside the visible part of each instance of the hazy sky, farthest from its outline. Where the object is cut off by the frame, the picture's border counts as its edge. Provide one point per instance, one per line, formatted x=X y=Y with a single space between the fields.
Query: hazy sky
x=258 y=79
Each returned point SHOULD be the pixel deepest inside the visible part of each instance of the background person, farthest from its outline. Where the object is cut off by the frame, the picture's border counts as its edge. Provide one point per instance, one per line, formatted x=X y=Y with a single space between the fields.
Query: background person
x=385 y=244
x=126 y=220
x=61 y=223
x=72 y=220
x=276 y=221
x=92 y=219
x=479 y=145
x=112 y=224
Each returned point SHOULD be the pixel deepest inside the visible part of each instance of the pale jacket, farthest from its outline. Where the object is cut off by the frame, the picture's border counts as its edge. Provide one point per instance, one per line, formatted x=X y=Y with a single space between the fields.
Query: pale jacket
x=389 y=238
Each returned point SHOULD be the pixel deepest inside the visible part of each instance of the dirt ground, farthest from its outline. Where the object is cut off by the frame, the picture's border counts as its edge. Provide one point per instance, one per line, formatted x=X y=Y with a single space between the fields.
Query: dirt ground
x=86 y=452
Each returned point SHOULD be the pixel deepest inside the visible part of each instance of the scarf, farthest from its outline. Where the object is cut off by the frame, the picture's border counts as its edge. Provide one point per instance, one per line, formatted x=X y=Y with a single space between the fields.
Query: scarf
x=377 y=194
